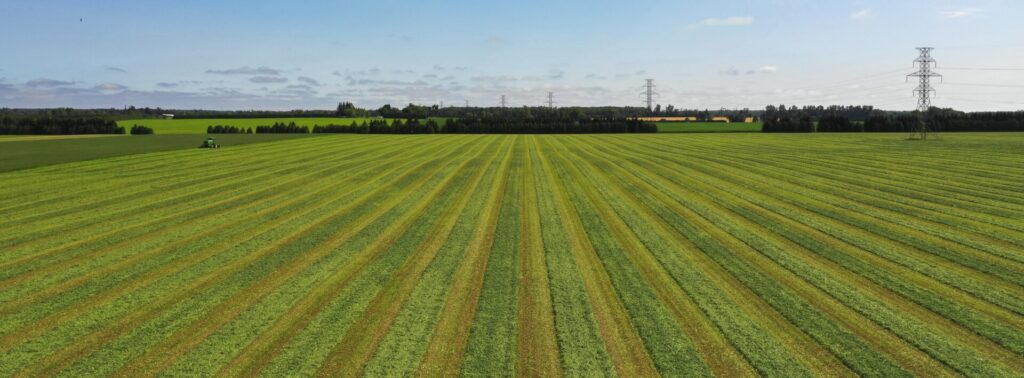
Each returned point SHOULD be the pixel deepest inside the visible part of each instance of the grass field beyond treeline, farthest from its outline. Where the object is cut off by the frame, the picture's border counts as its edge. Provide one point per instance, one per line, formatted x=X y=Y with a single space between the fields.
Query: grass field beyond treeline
x=708 y=127
x=735 y=255
x=198 y=126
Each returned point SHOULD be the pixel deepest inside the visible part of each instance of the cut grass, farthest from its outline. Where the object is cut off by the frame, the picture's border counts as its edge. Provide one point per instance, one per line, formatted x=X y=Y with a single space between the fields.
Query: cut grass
x=584 y=255
x=708 y=127
x=23 y=153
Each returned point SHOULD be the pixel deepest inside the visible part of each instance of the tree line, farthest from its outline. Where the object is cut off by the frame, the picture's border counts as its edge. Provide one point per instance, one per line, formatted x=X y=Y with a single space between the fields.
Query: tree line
x=282 y=128
x=219 y=129
x=937 y=120
x=58 y=126
x=496 y=125
x=493 y=125
x=411 y=126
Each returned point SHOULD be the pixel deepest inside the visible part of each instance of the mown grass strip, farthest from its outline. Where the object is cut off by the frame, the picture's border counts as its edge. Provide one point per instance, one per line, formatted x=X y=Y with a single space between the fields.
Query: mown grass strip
x=168 y=195
x=537 y=353
x=402 y=349
x=170 y=348
x=634 y=272
x=622 y=343
x=88 y=262
x=448 y=343
x=914 y=254
x=942 y=351
x=491 y=346
x=366 y=333
x=767 y=282
x=96 y=228
x=68 y=298
x=781 y=250
x=581 y=348
x=156 y=267
x=261 y=256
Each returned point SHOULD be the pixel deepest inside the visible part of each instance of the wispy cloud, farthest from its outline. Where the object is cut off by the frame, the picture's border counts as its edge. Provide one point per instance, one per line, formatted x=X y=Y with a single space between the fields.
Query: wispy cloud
x=733 y=71
x=960 y=13
x=109 y=87
x=268 y=79
x=166 y=85
x=769 y=69
x=497 y=41
x=48 y=83
x=115 y=69
x=494 y=79
x=863 y=14
x=727 y=21
x=246 y=70
x=366 y=82
x=308 y=80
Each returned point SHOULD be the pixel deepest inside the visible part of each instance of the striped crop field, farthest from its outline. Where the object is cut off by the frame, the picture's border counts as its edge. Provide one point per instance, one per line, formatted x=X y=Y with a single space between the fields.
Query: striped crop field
x=497 y=255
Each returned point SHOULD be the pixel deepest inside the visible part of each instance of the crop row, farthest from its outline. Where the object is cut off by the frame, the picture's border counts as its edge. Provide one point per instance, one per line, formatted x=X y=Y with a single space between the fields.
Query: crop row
x=709 y=255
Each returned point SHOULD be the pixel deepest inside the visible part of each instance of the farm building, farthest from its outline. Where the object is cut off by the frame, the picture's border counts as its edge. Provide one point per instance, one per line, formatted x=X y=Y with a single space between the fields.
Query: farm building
x=167 y=116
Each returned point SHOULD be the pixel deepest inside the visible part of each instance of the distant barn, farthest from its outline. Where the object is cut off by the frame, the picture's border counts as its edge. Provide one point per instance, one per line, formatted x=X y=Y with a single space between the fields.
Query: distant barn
x=167 y=116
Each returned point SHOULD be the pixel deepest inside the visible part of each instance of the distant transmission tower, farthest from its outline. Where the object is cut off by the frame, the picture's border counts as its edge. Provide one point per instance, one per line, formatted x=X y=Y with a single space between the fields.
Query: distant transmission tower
x=503 y=101
x=467 y=103
x=924 y=90
x=551 y=100
x=649 y=94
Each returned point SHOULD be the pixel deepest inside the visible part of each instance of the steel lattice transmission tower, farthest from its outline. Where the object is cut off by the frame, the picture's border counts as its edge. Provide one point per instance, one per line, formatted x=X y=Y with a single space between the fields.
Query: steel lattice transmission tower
x=924 y=89
x=649 y=94
x=551 y=100
x=503 y=101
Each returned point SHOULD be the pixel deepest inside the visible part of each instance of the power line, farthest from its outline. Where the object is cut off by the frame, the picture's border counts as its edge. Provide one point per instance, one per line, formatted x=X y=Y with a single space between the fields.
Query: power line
x=984 y=101
x=985 y=85
x=980 y=69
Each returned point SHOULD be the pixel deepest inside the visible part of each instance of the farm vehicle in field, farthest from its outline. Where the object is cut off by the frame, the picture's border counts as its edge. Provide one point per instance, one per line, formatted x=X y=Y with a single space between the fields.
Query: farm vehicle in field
x=209 y=143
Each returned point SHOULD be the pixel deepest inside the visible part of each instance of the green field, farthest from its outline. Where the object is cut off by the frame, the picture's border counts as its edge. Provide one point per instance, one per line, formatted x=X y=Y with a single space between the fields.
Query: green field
x=495 y=255
x=198 y=126
x=708 y=127
x=20 y=152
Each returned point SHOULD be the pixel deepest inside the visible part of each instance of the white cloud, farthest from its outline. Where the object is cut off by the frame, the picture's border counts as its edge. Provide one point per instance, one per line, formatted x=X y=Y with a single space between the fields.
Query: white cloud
x=733 y=71
x=862 y=14
x=308 y=80
x=960 y=13
x=115 y=69
x=727 y=22
x=265 y=71
x=110 y=87
x=769 y=69
x=48 y=83
x=268 y=79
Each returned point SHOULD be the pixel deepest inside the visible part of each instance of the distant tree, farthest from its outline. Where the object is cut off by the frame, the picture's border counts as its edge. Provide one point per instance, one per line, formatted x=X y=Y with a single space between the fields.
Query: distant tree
x=141 y=130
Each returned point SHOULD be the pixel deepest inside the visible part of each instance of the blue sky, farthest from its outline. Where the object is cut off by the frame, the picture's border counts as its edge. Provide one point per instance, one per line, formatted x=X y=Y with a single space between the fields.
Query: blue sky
x=313 y=54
